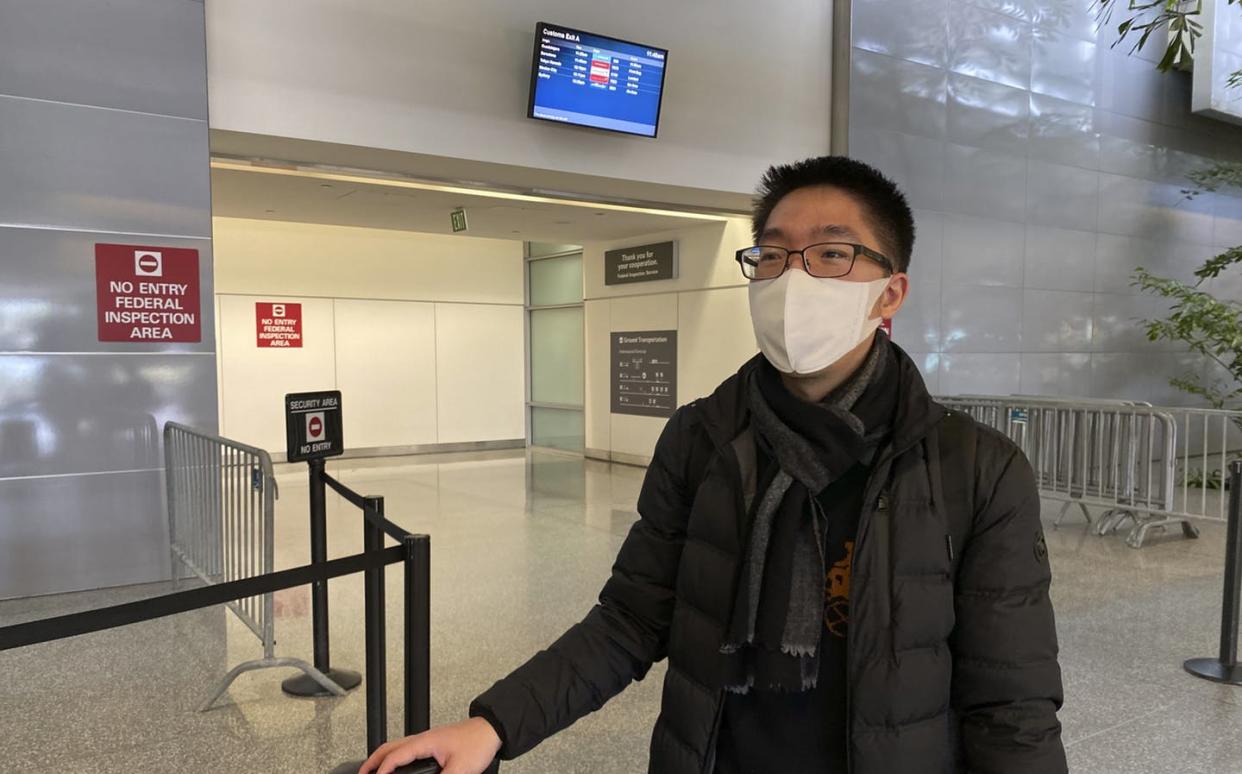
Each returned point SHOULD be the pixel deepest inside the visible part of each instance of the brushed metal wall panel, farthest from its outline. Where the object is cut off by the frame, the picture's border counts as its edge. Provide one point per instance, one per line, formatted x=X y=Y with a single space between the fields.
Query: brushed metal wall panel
x=919 y=37
x=1056 y=374
x=980 y=373
x=1064 y=67
x=144 y=55
x=916 y=327
x=1117 y=324
x=83 y=168
x=47 y=298
x=990 y=46
x=103 y=138
x=984 y=183
x=81 y=532
x=898 y=95
x=1063 y=132
x=979 y=318
x=64 y=414
x=1142 y=375
x=1060 y=173
x=1154 y=211
x=988 y=115
x=1059 y=259
x=1056 y=321
x=1061 y=196
x=916 y=164
x=982 y=251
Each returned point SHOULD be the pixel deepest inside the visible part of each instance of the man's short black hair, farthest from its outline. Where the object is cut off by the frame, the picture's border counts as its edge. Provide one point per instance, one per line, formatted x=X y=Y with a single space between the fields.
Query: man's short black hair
x=880 y=197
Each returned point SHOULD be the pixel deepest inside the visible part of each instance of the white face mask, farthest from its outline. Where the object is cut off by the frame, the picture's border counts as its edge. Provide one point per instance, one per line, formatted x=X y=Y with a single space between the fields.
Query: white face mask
x=805 y=324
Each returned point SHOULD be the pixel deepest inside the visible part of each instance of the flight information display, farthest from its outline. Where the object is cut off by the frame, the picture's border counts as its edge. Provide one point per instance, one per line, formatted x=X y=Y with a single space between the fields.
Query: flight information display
x=590 y=80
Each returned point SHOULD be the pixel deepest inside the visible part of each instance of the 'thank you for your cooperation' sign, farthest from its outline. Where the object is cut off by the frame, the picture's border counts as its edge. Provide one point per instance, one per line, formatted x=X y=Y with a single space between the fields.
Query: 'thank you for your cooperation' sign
x=645 y=263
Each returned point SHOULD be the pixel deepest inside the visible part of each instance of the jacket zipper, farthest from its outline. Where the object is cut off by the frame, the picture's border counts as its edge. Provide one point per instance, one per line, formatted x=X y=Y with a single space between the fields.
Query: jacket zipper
x=709 y=761
x=735 y=469
x=881 y=500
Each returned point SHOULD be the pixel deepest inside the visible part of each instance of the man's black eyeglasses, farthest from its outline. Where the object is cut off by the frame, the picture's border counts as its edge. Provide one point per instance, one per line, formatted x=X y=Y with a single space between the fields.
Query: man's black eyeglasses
x=825 y=260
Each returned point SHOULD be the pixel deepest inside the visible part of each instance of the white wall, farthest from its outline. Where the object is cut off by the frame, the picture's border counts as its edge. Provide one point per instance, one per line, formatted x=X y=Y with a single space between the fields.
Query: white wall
x=451 y=79
x=422 y=333
x=253 y=381
x=270 y=256
x=386 y=351
x=481 y=351
x=706 y=305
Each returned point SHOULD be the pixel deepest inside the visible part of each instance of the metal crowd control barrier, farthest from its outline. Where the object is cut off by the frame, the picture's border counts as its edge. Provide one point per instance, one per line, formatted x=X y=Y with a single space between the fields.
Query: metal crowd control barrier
x=1157 y=467
x=414 y=552
x=221 y=498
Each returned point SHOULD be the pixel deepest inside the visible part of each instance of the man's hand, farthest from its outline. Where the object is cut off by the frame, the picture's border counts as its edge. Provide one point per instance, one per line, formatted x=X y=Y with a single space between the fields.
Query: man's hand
x=462 y=748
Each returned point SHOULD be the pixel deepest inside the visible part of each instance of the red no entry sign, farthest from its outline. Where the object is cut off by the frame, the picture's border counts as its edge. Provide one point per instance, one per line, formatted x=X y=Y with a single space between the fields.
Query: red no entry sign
x=314 y=426
x=278 y=325
x=147 y=293
x=148 y=264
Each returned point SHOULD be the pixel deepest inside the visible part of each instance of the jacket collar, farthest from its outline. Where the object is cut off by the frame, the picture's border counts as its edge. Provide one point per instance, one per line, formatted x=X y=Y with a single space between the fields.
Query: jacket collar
x=726 y=414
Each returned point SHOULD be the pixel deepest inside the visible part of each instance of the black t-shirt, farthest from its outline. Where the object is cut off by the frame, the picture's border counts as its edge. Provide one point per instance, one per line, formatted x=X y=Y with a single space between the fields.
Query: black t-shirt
x=765 y=732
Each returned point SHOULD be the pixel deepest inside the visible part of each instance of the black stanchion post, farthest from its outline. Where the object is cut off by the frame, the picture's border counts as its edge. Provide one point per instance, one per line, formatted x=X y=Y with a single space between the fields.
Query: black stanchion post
x=377 y=660
x=319 y=553
x=417 y=645
x=417 y=634
x=1225 y=668
x=304 y=685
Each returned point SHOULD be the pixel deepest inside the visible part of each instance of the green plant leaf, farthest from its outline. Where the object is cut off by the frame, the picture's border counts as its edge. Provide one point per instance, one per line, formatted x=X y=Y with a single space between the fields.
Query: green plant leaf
x=1217 y=264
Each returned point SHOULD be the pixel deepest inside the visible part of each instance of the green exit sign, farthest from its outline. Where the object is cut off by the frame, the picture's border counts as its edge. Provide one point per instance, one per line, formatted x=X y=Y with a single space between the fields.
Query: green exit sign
x=459 y=220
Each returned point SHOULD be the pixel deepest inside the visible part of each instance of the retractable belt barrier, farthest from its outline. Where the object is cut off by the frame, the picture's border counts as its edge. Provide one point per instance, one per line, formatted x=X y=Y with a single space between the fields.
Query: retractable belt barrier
x=369 y=510
x=97 y=620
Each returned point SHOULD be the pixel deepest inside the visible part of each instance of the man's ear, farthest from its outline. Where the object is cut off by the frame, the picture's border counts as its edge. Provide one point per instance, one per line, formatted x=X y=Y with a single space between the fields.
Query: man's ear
x=894 y=296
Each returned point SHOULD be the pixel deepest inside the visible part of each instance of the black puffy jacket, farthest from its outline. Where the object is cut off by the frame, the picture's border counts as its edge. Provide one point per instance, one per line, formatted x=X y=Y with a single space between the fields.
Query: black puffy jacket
x=952 y=662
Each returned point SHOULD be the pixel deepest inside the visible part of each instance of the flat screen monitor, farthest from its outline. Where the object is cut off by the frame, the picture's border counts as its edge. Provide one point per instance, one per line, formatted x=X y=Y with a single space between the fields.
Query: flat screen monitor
x=589 y=80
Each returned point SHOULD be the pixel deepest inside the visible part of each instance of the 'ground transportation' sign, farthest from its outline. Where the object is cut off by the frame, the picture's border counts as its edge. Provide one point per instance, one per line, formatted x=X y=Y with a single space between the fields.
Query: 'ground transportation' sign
x=644 y=373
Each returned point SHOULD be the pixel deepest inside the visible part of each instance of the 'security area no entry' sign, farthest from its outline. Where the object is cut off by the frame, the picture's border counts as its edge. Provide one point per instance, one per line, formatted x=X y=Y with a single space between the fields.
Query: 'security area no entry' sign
x=313 y=425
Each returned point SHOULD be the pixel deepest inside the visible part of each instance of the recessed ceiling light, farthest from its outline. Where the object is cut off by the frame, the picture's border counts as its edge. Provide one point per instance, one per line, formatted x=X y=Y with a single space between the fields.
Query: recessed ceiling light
x=515 y=231
x=269 y=210
x=357 y=177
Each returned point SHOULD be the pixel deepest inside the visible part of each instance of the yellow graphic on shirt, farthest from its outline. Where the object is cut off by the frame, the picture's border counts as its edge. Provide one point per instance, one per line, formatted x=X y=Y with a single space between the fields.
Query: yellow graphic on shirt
x=837 y=593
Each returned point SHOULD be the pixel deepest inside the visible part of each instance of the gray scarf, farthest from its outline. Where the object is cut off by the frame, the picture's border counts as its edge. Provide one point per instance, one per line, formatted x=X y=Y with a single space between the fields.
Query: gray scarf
x=782 y=653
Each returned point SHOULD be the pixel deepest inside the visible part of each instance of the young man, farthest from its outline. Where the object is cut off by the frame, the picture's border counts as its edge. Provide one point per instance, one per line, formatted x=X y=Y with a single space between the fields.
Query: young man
x=844 y=577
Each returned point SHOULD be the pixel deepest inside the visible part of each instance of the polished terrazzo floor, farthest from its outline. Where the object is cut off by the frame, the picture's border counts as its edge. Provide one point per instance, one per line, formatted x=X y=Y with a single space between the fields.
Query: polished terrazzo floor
x=521 y=545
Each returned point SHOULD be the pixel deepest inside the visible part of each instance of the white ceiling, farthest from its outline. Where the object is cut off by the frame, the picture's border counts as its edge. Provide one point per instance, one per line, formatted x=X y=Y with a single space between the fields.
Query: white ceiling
x=350 y=200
